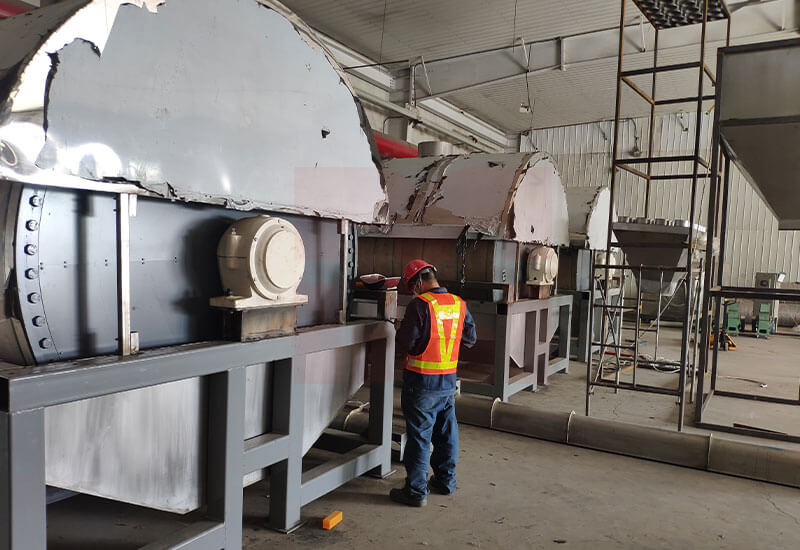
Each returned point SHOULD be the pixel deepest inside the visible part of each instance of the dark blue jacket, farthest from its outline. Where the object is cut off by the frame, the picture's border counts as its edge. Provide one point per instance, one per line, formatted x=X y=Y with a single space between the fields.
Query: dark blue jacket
x=413 y=337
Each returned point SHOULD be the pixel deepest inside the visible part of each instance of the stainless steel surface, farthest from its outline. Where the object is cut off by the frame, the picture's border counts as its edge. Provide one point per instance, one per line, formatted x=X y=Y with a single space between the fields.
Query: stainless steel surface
x=588 y=216
x=513 y=196
x=759 y=103
x=100 y=96
x=124 y=214
x=120 y=117
x=667 y=240
x=433 y=148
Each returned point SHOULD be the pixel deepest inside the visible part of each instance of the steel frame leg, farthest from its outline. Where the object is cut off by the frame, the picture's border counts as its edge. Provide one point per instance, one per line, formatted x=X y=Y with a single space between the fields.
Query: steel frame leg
x=286 y=476
x=226 y=452
x=380 y=362
x=23 y=508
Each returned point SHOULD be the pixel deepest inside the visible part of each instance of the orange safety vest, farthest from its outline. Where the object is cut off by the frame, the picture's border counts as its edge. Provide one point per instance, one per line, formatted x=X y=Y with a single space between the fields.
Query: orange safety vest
x=446 y=313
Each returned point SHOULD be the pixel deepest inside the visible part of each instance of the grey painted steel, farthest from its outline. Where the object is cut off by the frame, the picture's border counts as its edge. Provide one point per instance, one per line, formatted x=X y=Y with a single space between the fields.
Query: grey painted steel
x=537 y=320
x=760 y=120
x=76 y=250
x=699 y=451
x=203 y=535
x=22 y=488
x=102 y=96
x=581 y=321
x=173 y=273
x=230 y=457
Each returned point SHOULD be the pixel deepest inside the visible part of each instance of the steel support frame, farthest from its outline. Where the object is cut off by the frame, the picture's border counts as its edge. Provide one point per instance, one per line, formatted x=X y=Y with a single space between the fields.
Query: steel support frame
x=25 y=393
x=691 y=308
x=538 y=362
x=714 y=298
x=717 y=220
x=580 y=349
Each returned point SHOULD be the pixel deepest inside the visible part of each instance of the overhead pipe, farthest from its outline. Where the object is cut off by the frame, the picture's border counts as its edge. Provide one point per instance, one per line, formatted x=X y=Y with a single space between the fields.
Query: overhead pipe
x=8 y=9
x=415 y=116
x=393 y=148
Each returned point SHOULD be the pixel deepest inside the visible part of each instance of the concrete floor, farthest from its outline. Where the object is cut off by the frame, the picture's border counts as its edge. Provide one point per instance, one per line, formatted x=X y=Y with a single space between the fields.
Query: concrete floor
x=517 y=492
x=514 y=492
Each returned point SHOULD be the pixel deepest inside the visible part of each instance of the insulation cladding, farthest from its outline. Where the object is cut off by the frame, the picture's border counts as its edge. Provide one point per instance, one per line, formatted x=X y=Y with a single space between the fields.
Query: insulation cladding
x=582 y=154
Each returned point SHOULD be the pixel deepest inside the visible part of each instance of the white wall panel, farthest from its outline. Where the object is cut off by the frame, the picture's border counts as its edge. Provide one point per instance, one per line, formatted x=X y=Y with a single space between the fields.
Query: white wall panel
x=583 y=156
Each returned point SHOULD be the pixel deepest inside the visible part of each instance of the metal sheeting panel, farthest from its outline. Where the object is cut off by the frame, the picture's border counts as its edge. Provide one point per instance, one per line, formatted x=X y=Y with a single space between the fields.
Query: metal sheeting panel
x=451 y=27
x=173 y=272
x=759 y=110
x=588 y=216
x=582 y=154
x=253 y=115
x=514 y=196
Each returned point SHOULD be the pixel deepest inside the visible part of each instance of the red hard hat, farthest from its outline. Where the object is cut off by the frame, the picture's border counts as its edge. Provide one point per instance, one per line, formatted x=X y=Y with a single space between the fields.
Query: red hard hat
x=412 y=268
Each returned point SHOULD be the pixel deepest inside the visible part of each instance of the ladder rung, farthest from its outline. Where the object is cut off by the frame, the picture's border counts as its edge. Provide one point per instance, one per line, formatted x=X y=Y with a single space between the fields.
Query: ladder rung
x=677 y=176
x=650 y=245
x=613 y=346
x=671 y=158
x=683 y=100
x=633 y=171
x=710 y=75
x=644 y=95
x=662 y=69
x=610 y=306
x=664 y=268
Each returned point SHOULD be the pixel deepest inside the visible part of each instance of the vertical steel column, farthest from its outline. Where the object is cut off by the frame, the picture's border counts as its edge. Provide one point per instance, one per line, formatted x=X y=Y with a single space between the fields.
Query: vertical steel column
x=380 y=362
x=614 y=153
x=502 y=345
x=637 y=324
x=124 y=273
x=690 y=239
x=658 y=313
x=590 y=347
x=696 y=317
x=347 y=265
x=288 y=417
x=652 y=129
x=23 y=509
x=711 y=326
x=226 y=452
x=720 y=267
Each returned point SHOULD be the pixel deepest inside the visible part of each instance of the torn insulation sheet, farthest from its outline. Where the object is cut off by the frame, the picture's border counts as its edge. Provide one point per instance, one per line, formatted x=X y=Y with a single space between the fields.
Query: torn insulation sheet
x=245 y=109
x=510 y=196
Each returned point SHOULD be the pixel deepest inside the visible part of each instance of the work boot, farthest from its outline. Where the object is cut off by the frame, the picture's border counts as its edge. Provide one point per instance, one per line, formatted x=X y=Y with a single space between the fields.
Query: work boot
x=436 y=486
x=402 y=496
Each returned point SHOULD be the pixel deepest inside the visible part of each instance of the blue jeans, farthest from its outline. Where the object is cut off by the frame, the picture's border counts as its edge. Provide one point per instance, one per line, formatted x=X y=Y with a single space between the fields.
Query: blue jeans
x=430 y=418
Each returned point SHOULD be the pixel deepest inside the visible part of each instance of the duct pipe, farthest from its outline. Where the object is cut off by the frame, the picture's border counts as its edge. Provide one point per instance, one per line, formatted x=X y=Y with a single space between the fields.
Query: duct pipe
x=9 y=9
x=699 y=451
x=392 y=148
x=413 y=115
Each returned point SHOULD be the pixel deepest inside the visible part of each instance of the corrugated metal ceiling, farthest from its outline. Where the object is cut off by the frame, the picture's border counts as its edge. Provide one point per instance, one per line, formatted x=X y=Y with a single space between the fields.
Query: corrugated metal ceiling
x=450 y=27
x=585 y=93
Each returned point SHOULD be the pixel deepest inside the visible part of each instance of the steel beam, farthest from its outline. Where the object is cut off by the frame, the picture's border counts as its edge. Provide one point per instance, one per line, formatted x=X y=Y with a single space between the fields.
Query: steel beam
x=459 y=73
x=22 y=482
x=24 y=392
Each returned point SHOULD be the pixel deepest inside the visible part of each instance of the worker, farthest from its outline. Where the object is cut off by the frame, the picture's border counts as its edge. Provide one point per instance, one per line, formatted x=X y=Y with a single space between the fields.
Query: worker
x=435 y=324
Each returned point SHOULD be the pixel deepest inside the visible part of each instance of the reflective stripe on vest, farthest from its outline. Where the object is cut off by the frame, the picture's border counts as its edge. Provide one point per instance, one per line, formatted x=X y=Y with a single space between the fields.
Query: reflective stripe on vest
x=441 y=354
